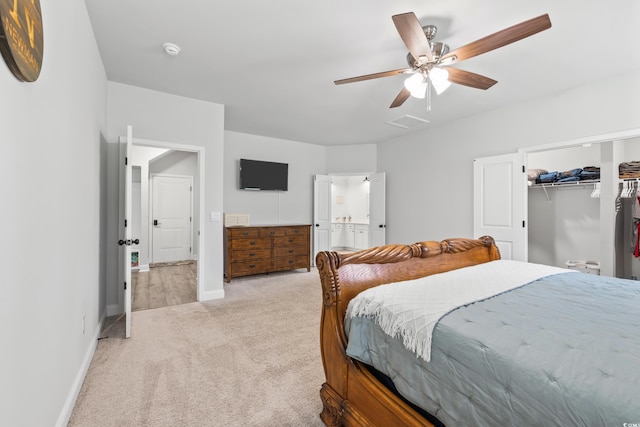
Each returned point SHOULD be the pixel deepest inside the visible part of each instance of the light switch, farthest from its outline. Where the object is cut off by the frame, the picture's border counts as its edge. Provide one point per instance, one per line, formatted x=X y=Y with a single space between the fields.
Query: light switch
x=215 y=216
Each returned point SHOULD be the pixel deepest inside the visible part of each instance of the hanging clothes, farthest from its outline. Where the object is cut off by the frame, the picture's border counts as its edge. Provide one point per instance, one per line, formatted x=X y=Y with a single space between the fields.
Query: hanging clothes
x=636 y=224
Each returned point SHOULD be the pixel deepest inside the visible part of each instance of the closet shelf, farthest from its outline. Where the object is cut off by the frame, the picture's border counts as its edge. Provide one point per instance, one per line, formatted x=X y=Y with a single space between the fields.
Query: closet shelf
x=565 y=184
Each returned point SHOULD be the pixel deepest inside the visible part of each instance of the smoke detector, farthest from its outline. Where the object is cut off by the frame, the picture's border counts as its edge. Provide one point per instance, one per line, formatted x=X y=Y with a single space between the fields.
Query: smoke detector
x=171 y=49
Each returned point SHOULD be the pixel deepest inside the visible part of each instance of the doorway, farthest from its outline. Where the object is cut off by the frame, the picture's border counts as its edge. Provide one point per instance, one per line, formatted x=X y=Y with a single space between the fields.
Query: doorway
x=170 y=273
x=349 y=211
x=611 y=152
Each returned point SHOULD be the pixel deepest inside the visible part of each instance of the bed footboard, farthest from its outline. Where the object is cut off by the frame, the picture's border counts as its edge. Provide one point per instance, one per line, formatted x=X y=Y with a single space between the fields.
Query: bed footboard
x=351 y=395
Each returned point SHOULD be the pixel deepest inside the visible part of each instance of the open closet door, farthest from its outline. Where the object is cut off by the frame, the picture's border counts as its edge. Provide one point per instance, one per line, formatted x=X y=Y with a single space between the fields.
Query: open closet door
x=377 y=215
x=125 y=242
x=321 y=214
x=500 y=203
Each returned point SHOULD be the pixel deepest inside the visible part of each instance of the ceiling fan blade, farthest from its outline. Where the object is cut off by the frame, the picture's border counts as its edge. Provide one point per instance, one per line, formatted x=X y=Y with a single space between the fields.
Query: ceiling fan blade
x=501 y=38
x=402 y=96
x=372 y=76
x=413 y=35
x=470 y=79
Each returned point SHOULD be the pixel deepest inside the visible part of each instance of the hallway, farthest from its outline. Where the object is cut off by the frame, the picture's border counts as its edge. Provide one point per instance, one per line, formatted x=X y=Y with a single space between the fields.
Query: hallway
x=164 y=285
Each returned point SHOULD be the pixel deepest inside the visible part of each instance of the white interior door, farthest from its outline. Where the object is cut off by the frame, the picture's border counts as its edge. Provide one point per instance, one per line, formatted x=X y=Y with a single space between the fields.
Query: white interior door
x=321 y=214
x=171 y=209
x=125 y=224
x=377 y=215
x=500 y=203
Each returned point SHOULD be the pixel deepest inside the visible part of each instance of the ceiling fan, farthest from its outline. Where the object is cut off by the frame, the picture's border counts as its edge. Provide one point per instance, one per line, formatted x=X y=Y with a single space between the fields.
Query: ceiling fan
x=429 y=61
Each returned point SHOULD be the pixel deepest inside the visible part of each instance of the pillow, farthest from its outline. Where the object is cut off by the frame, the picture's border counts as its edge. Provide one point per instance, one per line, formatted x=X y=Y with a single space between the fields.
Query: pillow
x=532 y=174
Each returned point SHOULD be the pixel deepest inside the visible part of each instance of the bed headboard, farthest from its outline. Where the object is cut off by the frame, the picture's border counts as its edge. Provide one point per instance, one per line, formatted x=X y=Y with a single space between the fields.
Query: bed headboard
x=344 y=275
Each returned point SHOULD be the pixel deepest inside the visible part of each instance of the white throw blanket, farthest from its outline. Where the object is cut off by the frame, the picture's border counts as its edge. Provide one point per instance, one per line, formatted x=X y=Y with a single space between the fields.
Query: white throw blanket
x=412 y=308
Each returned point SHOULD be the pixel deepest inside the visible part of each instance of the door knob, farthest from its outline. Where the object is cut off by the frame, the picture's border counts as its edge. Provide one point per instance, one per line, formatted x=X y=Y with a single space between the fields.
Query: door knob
x=128 y=242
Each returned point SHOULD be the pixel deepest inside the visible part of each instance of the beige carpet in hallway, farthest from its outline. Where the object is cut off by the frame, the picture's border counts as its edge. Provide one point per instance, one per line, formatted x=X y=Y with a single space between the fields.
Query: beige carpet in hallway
x=250 y=359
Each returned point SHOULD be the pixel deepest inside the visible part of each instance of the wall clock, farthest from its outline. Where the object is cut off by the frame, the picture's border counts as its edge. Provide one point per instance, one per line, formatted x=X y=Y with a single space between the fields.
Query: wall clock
x=21 y=41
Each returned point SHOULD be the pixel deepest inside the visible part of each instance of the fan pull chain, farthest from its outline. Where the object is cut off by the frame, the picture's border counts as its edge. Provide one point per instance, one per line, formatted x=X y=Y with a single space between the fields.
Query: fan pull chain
x=428 y=94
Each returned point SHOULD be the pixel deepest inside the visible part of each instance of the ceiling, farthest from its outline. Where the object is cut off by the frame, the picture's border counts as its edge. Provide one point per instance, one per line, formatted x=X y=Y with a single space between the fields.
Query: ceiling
x=273 y=63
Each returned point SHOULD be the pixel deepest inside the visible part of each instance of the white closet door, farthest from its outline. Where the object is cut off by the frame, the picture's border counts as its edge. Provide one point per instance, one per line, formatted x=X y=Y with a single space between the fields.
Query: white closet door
x=500 y=203
x=377 y=213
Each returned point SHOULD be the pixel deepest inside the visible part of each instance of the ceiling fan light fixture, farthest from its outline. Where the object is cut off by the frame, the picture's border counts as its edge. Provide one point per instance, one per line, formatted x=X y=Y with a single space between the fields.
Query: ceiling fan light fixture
x=416 y=85
x=440 y=79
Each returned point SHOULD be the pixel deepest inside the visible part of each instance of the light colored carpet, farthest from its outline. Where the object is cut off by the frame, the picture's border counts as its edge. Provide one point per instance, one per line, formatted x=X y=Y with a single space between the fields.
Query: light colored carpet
x=250 y=359
x=164 y=284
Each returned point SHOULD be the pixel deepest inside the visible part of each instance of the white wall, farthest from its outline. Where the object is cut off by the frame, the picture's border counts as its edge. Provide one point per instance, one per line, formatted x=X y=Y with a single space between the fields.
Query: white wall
x=351 y=159
x=169 y=118
x=354 y=193
x=52 y=185
x=429 y=173
x=294 y=206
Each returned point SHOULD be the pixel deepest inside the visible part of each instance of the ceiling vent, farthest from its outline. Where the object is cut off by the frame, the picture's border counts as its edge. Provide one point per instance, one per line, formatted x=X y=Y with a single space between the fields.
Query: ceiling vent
x=407 y=121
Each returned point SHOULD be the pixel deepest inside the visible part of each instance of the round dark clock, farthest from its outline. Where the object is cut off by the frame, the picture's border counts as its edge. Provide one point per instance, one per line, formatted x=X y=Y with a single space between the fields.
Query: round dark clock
x=21 y=41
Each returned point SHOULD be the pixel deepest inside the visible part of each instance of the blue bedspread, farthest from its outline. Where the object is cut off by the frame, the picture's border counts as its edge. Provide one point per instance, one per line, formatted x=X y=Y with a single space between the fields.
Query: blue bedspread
x=563 y=350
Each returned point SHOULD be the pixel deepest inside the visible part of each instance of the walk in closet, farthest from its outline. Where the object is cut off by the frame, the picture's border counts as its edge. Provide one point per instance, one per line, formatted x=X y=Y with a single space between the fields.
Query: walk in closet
x=582 y=218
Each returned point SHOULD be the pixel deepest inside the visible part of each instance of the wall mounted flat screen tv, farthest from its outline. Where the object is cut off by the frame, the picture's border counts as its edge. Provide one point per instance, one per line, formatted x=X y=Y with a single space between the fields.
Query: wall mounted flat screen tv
x=261 y=175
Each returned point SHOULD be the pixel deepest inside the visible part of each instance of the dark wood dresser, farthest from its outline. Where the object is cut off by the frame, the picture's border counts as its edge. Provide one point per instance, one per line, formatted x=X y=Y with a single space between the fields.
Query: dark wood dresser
x=265 y=249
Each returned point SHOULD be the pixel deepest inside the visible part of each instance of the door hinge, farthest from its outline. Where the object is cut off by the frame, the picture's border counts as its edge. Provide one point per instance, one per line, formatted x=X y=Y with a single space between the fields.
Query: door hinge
x=523 y=224
x=189 y=249
x=126 y=161
x=523 y=169
x=125 y=223
x=125 y=286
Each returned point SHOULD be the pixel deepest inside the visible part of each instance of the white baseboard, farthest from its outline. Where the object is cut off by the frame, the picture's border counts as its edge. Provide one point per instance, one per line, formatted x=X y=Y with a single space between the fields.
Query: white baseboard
x=143 y=268
x=70 y=402
x=219 y=294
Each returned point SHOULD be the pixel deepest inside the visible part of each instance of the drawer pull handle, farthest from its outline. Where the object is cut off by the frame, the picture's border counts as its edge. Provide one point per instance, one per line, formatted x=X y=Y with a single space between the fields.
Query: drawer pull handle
x=273 y=232
x=290 y=261
x=245 y=233
x=252 y=266
x=291 y=240
x=290 y=251
x=252 y=254
x=252 y=243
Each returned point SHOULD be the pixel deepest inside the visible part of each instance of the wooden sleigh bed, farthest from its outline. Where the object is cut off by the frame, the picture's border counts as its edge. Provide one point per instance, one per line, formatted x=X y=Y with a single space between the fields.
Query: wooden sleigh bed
x=353 y=393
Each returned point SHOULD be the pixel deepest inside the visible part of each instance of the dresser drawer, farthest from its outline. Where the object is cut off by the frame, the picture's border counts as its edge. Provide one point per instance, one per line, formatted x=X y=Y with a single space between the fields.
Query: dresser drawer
x=297 y=231
x=272 y=232
x=251 y=267
x=289 y=251
x=238 y=232
x=248 y=244
x=250 y=255
x=290 y=262
x=290 y=241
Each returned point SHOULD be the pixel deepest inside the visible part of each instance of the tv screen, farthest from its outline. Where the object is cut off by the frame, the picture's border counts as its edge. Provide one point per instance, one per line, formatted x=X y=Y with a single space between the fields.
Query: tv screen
x=260 y=175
